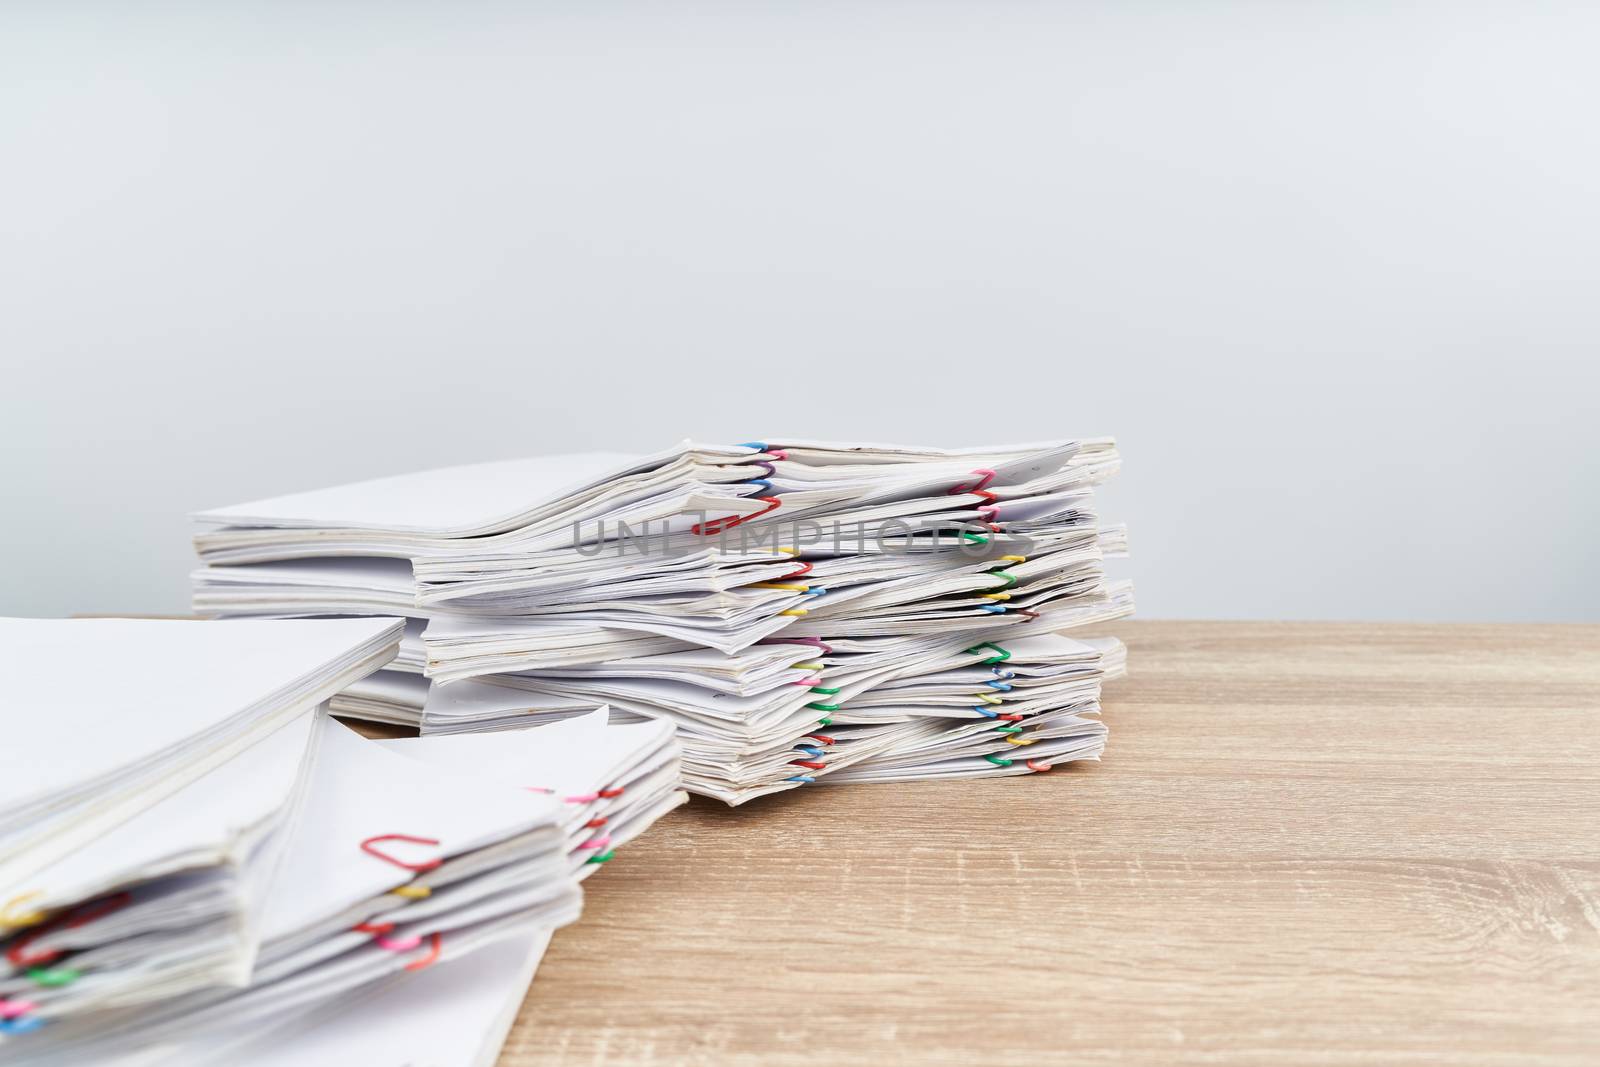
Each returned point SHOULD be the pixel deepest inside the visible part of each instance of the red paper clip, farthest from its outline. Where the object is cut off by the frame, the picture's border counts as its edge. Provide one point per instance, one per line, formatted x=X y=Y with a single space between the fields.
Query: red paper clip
x=115 y=902
x=978 y=486
x=435 y=942
x=1037 y=767
x=609 y=793
x=21 y=961
x=425 y=865
x=728 y=522
x=72 y=920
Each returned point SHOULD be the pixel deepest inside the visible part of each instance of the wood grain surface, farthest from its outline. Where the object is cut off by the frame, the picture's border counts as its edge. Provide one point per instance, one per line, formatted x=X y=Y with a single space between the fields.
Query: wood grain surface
x=1307 y=843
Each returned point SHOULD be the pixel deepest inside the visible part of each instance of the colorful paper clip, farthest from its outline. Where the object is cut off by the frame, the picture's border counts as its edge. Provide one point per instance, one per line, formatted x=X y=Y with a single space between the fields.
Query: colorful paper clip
x=12 y=918
x=728 y=522
x=53 y=977
x=368 y=846
x=390 y=944
x=10 y=1009
x=435 y=946
x=978 y=486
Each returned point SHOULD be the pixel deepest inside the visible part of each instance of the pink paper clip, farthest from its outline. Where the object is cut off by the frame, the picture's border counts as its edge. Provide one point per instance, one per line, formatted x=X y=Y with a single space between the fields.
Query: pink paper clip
x=10 y=1009
x=404 y=944
x=978 y=486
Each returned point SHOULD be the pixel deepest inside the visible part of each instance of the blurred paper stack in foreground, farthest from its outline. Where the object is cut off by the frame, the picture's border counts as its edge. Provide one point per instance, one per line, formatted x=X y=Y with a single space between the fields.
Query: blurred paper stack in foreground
x=302 y=868
x=801 y=611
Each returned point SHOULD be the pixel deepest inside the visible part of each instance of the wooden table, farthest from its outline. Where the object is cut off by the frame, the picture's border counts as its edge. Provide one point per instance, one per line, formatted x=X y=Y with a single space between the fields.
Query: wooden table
x=1307 y=843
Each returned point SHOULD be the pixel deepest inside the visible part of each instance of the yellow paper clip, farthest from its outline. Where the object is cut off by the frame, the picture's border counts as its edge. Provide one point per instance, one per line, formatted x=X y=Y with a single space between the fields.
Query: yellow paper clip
x=413 y=892
x=1015 y=559
x=995 y=596
x=1015 y=740
x=988 y=698
x=11 y=919
x=780 y=585
x=808 y=666
x=793 y=611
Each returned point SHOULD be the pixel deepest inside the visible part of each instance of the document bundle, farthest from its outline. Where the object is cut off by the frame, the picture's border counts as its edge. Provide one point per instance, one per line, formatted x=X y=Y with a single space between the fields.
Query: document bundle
x=255 y=867
x=801 y=611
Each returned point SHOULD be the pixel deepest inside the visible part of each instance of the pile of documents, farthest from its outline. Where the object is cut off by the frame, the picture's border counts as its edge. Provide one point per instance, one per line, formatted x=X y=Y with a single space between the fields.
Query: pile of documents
x=801 y=611
x=256 y=868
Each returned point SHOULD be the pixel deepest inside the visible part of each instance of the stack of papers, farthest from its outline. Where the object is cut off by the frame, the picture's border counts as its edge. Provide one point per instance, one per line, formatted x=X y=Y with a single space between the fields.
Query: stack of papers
x=150 y=778
x=801 y=611
x=400 y=857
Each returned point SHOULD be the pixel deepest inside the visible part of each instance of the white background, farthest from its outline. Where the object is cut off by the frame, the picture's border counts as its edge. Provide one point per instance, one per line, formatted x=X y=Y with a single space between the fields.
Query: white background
x=1328 y=270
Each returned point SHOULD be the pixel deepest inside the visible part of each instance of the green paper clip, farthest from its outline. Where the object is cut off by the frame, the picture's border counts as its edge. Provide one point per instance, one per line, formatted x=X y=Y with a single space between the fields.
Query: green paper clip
x=54 y=976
